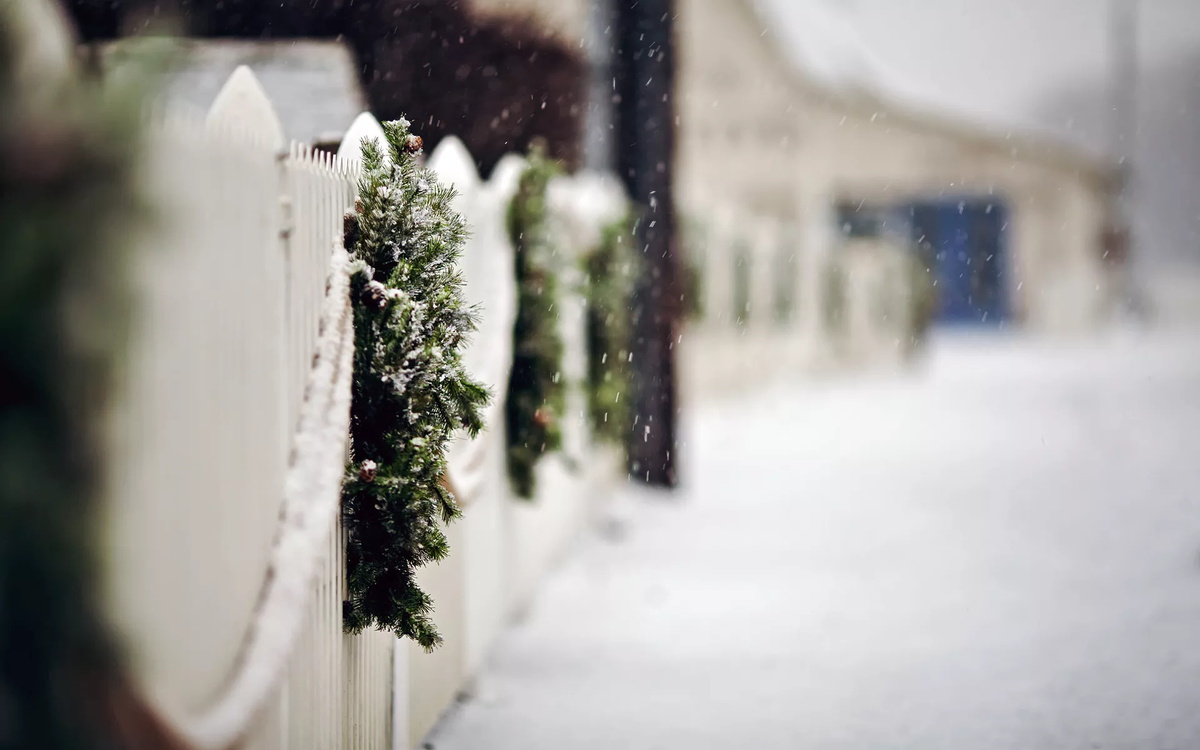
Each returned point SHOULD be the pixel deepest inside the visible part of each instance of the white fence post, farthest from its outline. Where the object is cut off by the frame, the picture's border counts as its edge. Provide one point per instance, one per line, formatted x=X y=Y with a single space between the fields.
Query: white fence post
x=476 y=465
x=435 y=678
x=205 y=456
x=364 y=128
x=242 y=107
x=235 y=290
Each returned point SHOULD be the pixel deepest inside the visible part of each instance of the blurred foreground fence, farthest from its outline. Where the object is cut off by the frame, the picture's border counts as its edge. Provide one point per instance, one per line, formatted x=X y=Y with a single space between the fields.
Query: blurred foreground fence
x=225 y=544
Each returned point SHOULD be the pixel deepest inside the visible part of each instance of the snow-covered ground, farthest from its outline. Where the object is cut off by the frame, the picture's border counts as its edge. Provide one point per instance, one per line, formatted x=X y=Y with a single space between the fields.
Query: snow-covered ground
x=1001 y=550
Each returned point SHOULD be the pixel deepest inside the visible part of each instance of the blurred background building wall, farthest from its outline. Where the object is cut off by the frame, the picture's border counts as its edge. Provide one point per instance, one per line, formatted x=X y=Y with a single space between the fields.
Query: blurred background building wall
x=792 y=129
x=1050 y=67
x=760 y=126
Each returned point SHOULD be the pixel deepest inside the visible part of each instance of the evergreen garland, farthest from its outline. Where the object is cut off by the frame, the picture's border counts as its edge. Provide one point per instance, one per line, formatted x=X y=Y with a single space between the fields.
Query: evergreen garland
x=411 y=391
x=610 y=272
x=68 y=206
x=536 y=393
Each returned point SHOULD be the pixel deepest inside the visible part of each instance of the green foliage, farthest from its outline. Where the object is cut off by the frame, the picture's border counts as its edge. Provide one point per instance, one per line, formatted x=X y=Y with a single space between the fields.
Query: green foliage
x=691 y=268
x=610 y=271
x=536 y=396
x=68 y=206
x=411 y=391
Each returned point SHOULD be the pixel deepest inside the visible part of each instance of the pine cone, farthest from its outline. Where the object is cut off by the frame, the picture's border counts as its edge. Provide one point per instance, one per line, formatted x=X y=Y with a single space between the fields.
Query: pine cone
x=375 y=294
x=349 y=230
x=368 y=470
x=543 y=418
x=413 y=145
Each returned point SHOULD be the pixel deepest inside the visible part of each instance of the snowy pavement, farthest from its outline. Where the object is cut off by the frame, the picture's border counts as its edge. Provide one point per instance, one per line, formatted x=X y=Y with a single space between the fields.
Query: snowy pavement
x=999 y=551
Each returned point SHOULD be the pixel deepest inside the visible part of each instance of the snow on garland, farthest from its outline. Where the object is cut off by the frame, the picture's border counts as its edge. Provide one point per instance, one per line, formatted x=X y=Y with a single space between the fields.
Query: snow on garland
x=610 y=271
x=411 y=391
x=536 y=392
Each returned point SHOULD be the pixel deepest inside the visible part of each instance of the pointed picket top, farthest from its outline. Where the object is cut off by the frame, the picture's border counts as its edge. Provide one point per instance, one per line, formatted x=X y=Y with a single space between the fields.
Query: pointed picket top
x=364 y=128
x=454 y=165
x=594 y=199
x=583 y=205
x=507 y=174
x=243 y=108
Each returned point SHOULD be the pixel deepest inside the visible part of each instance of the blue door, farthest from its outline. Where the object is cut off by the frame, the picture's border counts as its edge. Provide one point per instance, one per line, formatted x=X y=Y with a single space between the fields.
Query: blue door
x=964 y=242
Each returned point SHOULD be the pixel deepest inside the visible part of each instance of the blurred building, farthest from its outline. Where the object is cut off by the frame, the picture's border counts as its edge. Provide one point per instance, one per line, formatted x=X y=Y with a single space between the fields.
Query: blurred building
x=788 y=128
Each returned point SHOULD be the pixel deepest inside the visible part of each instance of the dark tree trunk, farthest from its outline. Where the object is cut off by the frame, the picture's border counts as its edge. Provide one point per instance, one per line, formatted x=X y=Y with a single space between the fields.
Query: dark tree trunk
x=646 y=78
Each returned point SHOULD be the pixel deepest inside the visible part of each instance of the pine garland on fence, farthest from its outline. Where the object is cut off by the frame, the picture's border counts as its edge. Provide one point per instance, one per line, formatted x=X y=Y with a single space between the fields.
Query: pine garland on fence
x=411 y=391
x=69 y=204
x=536 y=392
x=610 y=271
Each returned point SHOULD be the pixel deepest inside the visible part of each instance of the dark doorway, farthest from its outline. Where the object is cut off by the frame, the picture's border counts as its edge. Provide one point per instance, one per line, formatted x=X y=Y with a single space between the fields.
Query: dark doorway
x=966 y=243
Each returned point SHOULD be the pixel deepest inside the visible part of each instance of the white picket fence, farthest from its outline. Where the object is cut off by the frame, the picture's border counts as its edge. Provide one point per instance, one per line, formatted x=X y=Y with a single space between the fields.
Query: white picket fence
x=225 y=573
x=236 y=297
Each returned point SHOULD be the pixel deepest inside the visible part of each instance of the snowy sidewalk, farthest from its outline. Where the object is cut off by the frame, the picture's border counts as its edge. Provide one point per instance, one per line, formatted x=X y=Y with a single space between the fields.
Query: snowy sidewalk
x=1002 y=551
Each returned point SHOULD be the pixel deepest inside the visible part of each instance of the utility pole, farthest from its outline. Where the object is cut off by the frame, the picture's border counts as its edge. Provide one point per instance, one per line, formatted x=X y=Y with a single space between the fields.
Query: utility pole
x=645 y=160
x=1122 y=136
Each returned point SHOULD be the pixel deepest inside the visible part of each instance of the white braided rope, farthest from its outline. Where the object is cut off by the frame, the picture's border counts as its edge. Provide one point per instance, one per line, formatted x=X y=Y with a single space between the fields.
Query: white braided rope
x=311 y=503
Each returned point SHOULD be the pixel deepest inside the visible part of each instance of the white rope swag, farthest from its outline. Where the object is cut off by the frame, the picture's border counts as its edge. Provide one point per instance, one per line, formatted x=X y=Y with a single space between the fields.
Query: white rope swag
x=311 y=505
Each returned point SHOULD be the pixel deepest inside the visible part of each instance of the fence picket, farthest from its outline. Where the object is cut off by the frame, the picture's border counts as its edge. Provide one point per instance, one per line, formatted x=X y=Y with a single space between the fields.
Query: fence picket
x=243 y=108
x=364 y=128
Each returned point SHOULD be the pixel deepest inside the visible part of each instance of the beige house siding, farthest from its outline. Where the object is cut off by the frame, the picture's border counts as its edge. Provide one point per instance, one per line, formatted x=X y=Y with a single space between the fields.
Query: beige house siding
x=757 y=138
x=739 y=126
x=816 y=147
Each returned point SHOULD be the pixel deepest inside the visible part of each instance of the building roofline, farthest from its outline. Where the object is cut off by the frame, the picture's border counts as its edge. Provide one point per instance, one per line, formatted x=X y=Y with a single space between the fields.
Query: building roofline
x=1016 y=143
